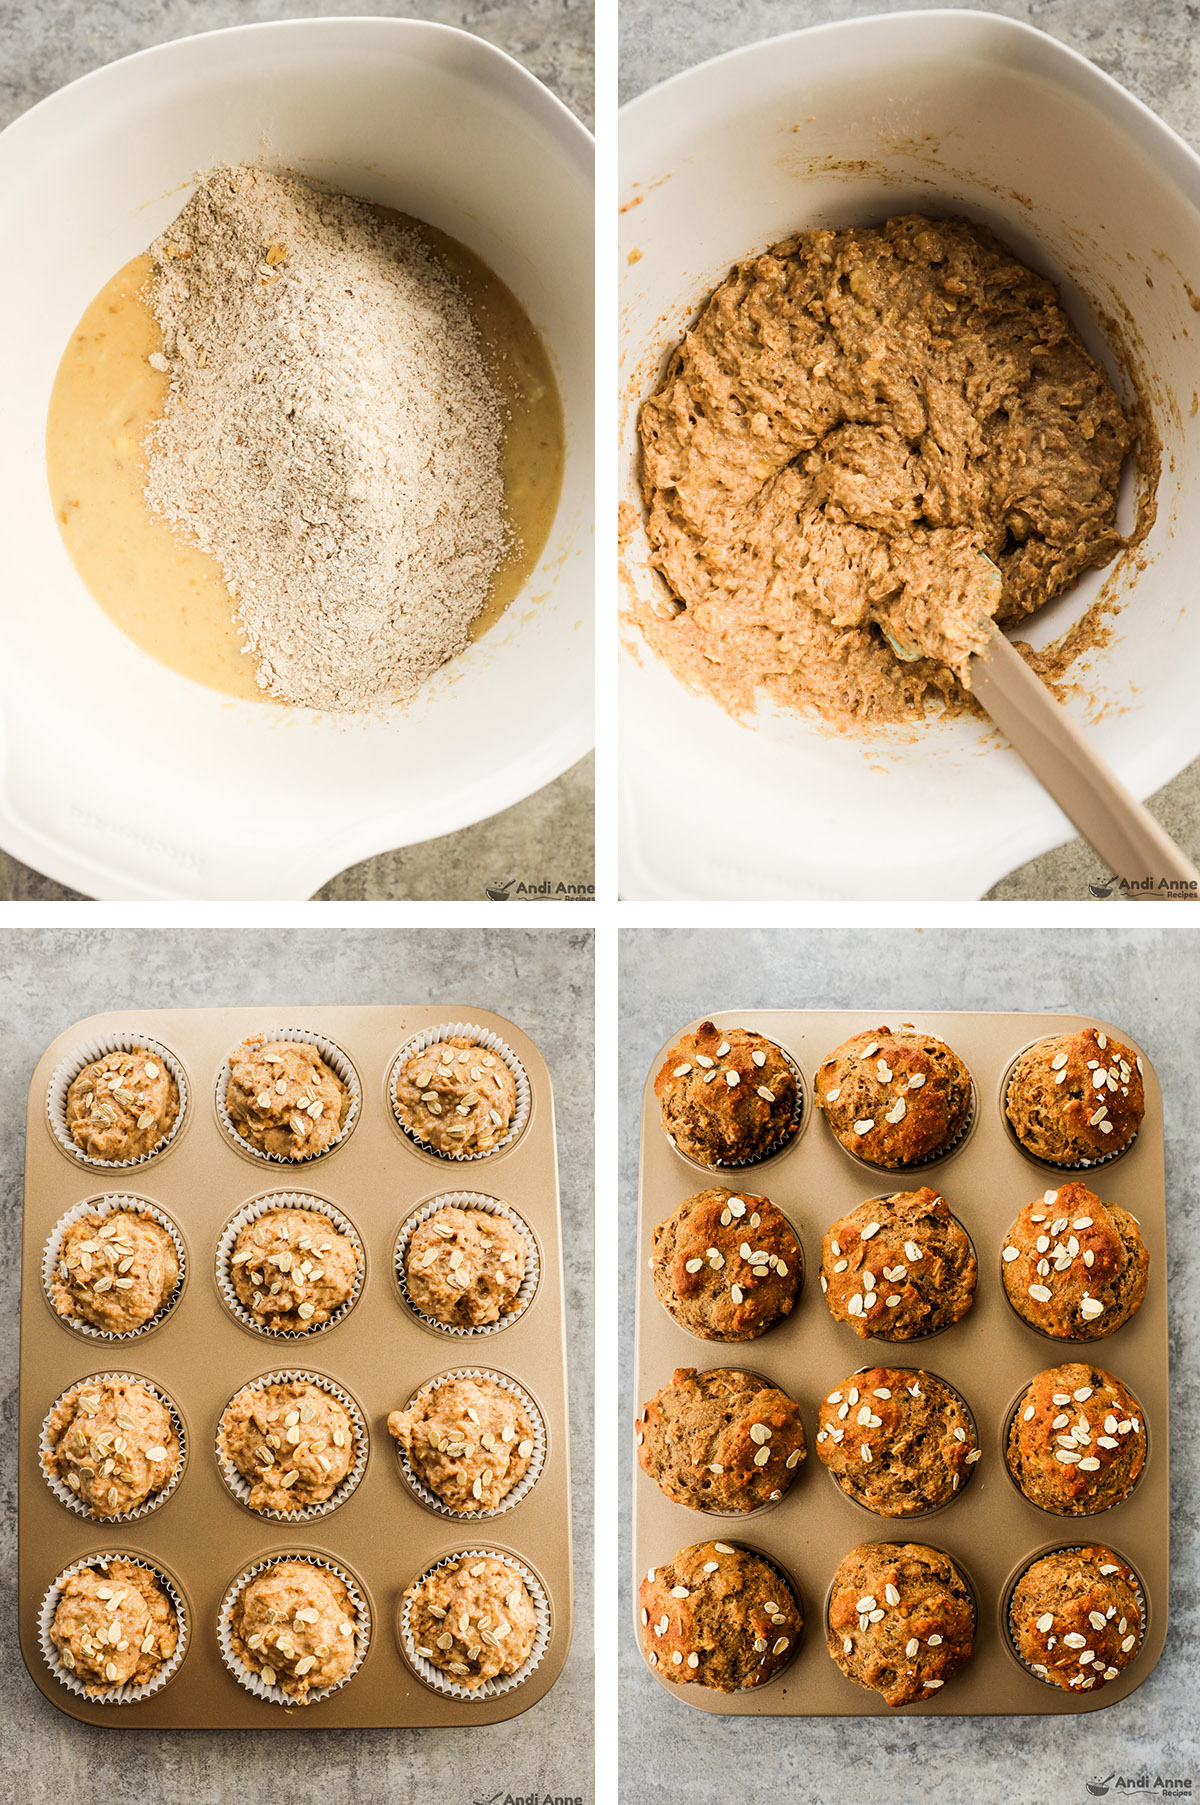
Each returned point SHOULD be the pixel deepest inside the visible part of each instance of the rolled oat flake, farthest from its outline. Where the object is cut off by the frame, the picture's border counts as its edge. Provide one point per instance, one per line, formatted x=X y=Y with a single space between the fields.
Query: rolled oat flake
x=330 y=435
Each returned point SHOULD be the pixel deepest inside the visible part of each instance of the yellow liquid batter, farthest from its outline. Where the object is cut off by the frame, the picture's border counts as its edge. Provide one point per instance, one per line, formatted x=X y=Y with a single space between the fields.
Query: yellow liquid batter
x=168 y=595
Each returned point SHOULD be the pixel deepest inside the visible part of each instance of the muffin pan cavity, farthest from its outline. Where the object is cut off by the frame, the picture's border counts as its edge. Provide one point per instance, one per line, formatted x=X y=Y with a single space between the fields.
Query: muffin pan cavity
x=989 y=1530
x=373 y=1354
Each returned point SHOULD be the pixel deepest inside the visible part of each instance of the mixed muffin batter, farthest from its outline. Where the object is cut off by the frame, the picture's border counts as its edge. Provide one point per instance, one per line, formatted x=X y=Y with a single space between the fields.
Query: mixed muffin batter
x=862 y=428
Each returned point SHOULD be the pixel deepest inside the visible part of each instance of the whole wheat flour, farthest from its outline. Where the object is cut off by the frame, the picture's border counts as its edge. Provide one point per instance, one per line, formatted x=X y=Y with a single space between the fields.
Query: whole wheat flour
x=330 y=435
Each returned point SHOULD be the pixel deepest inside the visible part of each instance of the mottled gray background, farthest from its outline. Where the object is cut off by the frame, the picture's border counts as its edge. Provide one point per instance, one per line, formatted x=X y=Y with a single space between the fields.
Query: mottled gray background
x=1147 y=980
x=1152 y=47
x=543 y=980
x=46 y=43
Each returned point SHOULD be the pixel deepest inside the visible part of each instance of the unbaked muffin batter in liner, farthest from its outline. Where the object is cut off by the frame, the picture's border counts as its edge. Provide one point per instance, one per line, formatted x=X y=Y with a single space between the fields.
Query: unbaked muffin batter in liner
x=338 y=1062
x=275 y=1695
x=70 y=1068
x=119 y=1695
x=63 y=1492
x=529 y=1477
x=106 y=1206
x=263 y=1206
x=988 y=1529
x=469 y=1200
x=505 y=1683
x=240 y=1486
x=490 y=1043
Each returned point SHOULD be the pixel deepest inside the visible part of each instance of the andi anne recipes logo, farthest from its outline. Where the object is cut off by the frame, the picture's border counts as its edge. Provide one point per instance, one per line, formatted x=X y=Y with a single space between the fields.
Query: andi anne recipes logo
x=1163 y=889
x=1157 y=1785
x=503 y=888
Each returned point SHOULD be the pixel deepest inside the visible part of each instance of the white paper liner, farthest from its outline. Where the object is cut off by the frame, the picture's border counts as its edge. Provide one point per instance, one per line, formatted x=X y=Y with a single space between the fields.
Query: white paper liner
x=781 y=1141
x=528 y=1479
x=116 y=1695
x=489 y=1043
x=263 y=1206
x=434 y=1678
x=71 y=1499
x=68 y=1070
x=240 y=1486
x=110 y=1203
x=469 y=1200
x=275 y=1695
x=930 y=1510
x=1054 y=1165
x=338 y=1062
x=1011 y=1635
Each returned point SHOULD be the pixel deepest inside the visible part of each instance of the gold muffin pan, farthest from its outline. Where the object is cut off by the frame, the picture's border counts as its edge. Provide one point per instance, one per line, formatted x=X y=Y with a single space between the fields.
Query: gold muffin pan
x=989 y=1529
x=379 y=1352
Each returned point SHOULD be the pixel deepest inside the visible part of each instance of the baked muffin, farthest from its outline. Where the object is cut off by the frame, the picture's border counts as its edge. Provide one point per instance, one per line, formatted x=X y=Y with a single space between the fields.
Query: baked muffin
x=122 y=1106
x=113 y=1443
x=894 y=1099
x=294 y=1625
x=291 y=1441
x=1077 y=1441
x=465 y=1267
x=727 y=1095
x=718 y=1616
x=113 y=1626
x=292 y=1270
x=901 y=1620
x=283 y=1099
x=899 y=1442
x=1076 y=1097
x=473 y=1619
x=721 y=1440
x=469 y=1440
x=1074 y=1268
x=456 y=1097
x=898 y=1267
x=1076 y=1617
x=115 y=1270
x=726 y=1266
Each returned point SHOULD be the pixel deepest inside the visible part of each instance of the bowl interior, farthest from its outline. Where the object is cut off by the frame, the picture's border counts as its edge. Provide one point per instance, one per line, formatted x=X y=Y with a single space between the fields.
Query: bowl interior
x=946 y=113
x=425 y=119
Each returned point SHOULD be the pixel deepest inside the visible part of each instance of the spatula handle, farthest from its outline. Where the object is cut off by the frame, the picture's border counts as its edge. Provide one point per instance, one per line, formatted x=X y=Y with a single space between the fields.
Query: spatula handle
x=1124 y=834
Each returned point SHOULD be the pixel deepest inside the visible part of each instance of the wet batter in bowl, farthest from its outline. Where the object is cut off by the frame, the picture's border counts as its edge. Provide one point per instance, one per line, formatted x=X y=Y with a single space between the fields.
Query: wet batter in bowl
x=855 y=417
x=151 y=577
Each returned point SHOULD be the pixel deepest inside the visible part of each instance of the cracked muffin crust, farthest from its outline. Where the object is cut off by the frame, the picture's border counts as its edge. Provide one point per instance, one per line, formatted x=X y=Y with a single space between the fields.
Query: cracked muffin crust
x=1074 y=1268
x=116 y=1269
x=853 y=419
x=901 y=1620
x=114 y=1625
x=894 y=1099
x=113 y=1443
x=726 y=1266
x=283 y=1099
x=292 y=1269
x=722 y=1440
x=294 y=1625
x=898 y=1267
x=122 y=1106
x=1075 y=1617
x=1077 y=1441
x=718 y=1616
x=469 y=1440
x=899 y=1442
x=465 y=1267
x=456 y=1096
x=726 y=1095
x=473 y=1619
x=291 y=1441
x=1076 y=1097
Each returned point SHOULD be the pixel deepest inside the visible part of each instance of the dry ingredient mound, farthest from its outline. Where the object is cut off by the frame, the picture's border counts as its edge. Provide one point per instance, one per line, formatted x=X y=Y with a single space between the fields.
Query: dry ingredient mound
x=330 y=435
x=853 y=419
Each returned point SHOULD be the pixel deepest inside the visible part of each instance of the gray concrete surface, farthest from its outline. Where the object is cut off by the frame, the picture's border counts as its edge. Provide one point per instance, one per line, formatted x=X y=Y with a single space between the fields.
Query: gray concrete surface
x=1152 y=47
x=544 y=981
x=46 y=43
x=1149 y=981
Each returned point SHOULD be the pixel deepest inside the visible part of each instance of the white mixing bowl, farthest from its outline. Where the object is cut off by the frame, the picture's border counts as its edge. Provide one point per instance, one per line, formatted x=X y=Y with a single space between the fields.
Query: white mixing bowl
x=116 y=775
x=945 y=112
